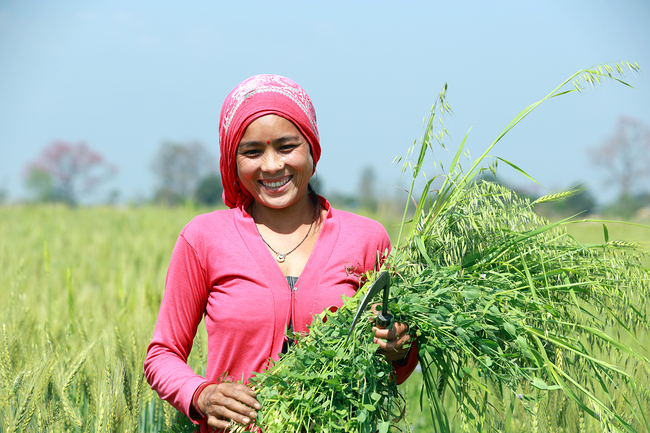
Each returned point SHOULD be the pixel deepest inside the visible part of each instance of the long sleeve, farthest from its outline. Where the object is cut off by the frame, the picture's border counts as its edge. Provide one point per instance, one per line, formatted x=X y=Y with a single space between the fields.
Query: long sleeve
x=213 y=275
x=181 y=311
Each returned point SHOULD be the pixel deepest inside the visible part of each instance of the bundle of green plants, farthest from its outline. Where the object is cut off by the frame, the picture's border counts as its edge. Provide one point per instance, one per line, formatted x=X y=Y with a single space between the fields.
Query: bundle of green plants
x=507 y=311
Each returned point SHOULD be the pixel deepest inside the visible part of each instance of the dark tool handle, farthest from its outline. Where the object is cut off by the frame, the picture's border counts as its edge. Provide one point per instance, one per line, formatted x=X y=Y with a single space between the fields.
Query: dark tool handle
x=384 y=320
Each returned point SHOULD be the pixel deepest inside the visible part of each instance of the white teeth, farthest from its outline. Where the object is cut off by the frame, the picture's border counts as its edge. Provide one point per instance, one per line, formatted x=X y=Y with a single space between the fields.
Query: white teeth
x=276 y=184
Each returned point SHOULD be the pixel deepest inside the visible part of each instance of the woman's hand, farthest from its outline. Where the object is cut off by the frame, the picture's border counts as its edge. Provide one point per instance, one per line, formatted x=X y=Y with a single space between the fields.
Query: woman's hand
x=228 y=401
x=391 y=341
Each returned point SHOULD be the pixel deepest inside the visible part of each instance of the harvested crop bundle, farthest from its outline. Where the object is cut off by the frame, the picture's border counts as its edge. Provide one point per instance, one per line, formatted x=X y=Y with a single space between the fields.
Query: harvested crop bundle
x=507 y=309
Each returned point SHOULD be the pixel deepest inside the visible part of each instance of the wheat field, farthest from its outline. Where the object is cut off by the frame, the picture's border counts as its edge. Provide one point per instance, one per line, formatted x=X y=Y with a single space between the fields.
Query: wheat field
x=80 y=290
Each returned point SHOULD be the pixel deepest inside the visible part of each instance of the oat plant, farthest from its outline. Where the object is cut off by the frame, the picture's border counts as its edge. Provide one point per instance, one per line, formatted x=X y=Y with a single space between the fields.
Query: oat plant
x=509 y=312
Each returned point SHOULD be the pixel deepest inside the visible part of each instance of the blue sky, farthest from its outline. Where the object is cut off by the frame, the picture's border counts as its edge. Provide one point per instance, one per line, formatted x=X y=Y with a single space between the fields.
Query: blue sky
x=126 y=76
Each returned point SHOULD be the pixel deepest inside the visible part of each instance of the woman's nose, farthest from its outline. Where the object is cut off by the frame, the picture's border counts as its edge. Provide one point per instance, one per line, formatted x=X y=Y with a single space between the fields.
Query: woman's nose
x=272 y=161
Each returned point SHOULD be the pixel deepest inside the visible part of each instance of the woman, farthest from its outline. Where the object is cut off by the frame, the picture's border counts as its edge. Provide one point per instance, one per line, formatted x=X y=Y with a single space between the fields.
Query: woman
x=276 y=258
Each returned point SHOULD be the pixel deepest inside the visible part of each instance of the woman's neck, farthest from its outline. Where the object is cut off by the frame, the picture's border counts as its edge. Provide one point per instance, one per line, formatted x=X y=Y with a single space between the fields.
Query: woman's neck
x=285 y=220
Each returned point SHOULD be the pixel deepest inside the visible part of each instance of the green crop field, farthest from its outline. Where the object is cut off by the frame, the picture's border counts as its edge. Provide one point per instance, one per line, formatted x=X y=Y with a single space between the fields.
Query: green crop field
x=80 y=292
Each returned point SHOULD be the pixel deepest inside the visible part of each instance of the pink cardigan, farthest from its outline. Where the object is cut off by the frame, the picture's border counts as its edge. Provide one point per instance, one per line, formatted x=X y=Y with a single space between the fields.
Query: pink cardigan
x=221 y=268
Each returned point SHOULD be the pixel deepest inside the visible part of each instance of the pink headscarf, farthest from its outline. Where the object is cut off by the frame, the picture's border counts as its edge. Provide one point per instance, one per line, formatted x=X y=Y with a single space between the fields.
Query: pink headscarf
x=256 y=97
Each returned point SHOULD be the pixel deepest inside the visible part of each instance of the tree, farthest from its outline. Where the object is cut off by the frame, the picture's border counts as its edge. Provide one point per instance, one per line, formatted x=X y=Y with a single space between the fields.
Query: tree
x=624 y=156
x=41 y=184
x=627 y=206
x=63 y=172
x=209 y=190
x=179 y=168
x=4 y=193
x=367 y=197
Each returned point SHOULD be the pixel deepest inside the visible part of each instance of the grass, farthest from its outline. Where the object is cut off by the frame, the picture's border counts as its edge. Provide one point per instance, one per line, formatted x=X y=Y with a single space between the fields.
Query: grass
x=592 y=232
x=81 y=290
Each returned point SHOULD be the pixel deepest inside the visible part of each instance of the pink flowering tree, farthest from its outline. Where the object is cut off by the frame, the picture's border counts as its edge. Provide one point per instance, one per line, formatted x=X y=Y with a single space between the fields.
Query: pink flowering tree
x=64 y=172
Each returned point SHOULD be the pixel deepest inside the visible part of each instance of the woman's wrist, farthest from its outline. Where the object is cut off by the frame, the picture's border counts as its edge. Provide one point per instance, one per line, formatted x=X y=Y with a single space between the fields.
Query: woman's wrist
x=195 y=398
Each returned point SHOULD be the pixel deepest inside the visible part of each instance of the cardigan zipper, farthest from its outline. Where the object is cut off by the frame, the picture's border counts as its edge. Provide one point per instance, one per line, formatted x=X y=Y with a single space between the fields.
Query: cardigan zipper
x=292 y=310
x=288 y=342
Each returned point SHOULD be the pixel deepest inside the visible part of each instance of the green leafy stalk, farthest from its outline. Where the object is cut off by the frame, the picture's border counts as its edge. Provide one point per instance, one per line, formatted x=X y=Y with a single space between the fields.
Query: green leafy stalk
x=503 y=305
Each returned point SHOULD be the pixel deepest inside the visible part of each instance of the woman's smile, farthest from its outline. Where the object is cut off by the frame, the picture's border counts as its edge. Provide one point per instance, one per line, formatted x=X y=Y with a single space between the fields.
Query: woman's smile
x=275 y=184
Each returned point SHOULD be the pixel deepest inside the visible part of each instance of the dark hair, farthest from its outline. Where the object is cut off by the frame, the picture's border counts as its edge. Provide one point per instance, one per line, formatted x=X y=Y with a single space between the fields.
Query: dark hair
x=315 y=201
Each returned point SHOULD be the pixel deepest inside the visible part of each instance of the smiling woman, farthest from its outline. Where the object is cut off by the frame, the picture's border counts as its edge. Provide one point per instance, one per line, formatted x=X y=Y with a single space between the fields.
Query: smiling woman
x=260 y=271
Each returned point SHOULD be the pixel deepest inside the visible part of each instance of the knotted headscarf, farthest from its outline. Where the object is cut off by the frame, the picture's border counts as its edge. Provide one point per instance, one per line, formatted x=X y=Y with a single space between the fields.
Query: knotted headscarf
x=256 y=97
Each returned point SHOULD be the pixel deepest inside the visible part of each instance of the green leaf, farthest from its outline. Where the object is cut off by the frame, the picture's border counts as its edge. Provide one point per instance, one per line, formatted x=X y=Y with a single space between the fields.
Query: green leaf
x=420 y=207
x=489 y=343
x=472 y=293
x=518 y=169
x=510 y=329
x=441 y=291
x=525 y=348
x=539 y=383
x=452 y=168
x=423 y=250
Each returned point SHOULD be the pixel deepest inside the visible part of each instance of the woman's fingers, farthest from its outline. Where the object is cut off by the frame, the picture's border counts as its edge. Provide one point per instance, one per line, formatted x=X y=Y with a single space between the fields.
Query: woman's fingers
x=224 y=402
x=388 y=344
x=241 y=393
x=391 y=341
x=226 y=416
x=395 y=332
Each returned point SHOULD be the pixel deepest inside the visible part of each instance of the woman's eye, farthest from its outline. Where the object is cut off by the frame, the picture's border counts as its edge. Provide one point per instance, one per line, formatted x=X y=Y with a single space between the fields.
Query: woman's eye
x=287 y=147
x=251 y=153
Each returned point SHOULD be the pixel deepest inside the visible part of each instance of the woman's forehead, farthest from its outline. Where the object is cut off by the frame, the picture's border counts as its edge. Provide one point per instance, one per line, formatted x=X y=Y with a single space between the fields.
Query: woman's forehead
x=270 y=126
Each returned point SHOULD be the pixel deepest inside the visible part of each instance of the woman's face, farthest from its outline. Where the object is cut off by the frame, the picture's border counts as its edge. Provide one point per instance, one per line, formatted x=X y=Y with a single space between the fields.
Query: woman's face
x=274 y=162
